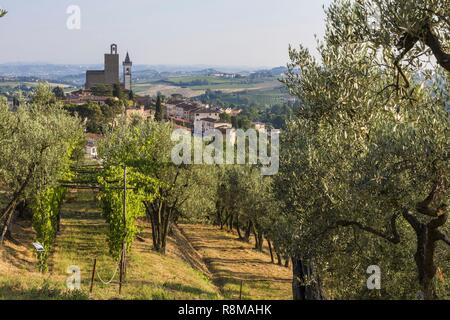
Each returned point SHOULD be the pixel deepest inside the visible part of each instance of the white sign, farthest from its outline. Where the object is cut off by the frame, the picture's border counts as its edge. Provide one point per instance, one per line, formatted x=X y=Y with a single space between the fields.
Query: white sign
x=39 y=247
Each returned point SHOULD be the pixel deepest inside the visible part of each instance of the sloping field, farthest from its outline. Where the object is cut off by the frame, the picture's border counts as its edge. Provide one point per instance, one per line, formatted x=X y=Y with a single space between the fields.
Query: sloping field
x=201 y=263
x=83 y=238
x=165 y=89
x=231 y=261
x=168 y=89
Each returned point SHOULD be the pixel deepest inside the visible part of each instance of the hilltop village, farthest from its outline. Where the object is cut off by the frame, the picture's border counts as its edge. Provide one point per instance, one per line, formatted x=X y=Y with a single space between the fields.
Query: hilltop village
x=108 y=95
x=106 y=88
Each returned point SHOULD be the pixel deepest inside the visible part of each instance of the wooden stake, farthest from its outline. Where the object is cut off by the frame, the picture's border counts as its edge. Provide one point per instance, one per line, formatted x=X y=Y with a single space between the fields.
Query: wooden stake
x=93 y=275
x=240 y=291
x=121 y=271
x=122 y=257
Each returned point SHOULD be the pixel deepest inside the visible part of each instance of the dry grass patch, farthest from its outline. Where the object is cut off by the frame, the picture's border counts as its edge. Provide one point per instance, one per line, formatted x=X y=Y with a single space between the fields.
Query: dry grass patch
x=181 y=274
x=149 y=274
x=83 y=237
x=231 y=260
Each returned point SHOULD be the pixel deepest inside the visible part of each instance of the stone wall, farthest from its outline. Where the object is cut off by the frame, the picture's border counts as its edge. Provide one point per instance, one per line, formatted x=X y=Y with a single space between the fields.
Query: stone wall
x=94 y=77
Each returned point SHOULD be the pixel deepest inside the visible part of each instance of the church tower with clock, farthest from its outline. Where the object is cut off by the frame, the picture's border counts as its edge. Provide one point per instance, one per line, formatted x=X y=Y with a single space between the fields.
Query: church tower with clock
x=127 y=64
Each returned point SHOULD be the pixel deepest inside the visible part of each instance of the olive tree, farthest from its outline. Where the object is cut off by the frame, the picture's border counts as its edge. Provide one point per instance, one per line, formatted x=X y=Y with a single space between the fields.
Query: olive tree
x=363 y=154
x=169 y=191
x=38 y=142
x=407 y=32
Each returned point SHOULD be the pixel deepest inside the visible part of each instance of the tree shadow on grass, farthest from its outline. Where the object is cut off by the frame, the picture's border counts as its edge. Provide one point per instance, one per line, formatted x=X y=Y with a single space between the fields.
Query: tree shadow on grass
x=189 y=289
x=13 y=257
x=46 y=292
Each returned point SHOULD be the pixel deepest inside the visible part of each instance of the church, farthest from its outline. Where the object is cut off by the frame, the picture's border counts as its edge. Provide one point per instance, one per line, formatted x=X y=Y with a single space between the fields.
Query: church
x=110 y=74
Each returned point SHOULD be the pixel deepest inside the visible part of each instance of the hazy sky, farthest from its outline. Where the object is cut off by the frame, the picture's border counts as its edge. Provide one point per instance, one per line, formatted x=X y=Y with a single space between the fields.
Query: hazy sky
x=175 y=32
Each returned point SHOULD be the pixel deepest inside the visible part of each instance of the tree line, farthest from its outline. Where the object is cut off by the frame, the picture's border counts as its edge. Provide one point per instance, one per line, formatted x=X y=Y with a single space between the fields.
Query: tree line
x=39 y=141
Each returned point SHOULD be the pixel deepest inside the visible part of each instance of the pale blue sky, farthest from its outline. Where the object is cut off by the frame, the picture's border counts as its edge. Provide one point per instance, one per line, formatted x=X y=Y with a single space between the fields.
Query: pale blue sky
x=177 y=32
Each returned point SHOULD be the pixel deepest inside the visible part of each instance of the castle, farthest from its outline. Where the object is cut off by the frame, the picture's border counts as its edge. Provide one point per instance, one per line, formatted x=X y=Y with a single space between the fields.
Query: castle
x=110 y=75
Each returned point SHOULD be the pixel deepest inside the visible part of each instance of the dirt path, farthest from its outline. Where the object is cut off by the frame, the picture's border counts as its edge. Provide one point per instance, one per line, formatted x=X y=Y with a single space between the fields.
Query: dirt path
x=231 y=261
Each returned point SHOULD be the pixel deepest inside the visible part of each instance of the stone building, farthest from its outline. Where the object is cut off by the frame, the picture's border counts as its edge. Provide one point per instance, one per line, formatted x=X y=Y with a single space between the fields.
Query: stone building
x=110 y=75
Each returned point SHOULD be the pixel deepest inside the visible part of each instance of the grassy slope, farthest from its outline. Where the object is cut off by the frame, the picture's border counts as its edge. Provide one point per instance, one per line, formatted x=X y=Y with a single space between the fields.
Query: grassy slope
x=150 y=275
x=83 y=237
x=231 y=261
x=18 y=276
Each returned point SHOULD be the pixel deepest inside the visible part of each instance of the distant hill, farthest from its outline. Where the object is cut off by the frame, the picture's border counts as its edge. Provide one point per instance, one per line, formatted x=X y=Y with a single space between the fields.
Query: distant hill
x=146 y=75
x=44 y=71
x=67 y=74
x=275 y=72
x=278 y=71
x=75 y=74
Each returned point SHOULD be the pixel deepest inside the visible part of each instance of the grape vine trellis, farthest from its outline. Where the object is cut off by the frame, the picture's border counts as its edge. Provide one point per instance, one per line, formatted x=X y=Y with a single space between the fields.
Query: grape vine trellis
x=121 y=205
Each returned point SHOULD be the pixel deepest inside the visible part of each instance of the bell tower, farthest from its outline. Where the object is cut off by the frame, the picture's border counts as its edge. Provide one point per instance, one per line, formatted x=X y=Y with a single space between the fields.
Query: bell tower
x=127 y=64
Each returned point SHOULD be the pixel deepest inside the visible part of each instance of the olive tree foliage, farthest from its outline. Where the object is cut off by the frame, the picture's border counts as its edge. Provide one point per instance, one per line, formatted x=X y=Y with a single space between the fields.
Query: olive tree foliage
x=405 y=32
x=38 y=143
x=245 y=202
x=185 y=192
x=362 y=160
x=3 y=13
x=201 y=196
x=230 y=200
x=259 y=205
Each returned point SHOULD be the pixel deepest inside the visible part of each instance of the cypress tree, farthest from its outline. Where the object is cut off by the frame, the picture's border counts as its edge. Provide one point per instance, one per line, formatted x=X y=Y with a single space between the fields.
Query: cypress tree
x=159 y=111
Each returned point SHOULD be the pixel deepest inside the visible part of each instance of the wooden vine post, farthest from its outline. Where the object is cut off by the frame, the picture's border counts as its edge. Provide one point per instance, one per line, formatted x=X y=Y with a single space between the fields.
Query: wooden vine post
x=240 y=290
x=93 y=275
x=123 y=255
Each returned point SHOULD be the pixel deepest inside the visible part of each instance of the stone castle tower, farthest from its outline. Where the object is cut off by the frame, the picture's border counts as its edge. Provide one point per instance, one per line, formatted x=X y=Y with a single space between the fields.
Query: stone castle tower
x=127 y=64
x=110 y=75
x=112 y=66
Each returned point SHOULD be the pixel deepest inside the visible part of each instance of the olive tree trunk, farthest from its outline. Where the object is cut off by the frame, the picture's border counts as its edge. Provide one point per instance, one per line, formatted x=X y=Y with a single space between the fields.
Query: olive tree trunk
x=305 y=285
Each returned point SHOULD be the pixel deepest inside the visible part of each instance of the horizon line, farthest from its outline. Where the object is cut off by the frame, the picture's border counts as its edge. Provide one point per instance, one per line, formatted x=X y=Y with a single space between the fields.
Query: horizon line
x=141 y=64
